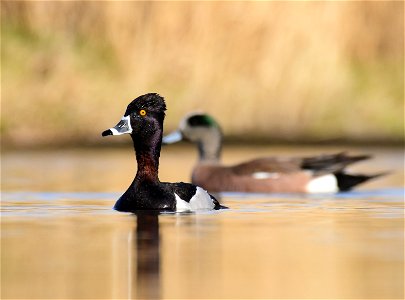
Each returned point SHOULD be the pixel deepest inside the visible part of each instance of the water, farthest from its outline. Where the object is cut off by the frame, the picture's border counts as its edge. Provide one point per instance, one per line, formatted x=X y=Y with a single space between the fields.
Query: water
x=61 y=239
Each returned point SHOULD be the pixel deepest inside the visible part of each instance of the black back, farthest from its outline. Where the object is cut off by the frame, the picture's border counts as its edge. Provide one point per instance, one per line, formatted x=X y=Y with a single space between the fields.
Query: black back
x=185 y=191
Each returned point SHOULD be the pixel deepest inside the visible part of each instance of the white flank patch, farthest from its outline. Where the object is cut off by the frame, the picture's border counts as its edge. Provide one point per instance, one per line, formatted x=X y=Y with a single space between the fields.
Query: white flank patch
x=201 y=200
x=181 y=205
x=265 y=175
x=323 y=184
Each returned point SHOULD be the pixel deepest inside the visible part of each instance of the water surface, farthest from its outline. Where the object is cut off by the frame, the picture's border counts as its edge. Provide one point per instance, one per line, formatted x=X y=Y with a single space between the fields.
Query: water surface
x=61 y=239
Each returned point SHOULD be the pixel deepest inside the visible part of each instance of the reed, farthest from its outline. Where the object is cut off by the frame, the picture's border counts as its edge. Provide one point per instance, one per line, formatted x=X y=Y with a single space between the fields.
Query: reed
x=285 y=71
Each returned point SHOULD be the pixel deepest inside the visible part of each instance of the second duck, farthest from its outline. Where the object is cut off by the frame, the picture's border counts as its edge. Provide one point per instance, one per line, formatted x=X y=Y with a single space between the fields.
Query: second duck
x=316 y=174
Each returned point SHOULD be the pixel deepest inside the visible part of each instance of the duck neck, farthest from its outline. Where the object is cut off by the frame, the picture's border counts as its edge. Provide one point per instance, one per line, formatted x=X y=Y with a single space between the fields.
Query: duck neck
x=209 y=147
x=147 y=152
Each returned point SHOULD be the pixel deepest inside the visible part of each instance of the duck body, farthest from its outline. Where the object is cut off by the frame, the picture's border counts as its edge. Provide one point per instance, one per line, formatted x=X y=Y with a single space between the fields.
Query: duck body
x=316 y=174
x=217 y=178
x=143 y=120
x=165 y=196
x=279 y=176
x=142 y=195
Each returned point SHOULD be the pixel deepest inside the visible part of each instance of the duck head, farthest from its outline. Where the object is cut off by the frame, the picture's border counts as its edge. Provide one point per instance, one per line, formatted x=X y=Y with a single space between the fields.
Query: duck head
x=143 y=121
x=201 y=129
x=142 y=118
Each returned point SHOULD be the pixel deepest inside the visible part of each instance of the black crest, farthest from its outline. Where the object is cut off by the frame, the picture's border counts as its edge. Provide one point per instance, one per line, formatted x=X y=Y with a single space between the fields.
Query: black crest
x=151 y=102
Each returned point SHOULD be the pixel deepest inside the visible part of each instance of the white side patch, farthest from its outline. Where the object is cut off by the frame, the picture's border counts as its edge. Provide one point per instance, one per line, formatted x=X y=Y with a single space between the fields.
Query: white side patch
x=181 y=205
x=201 y=200
x=265 y=175
x=323 y=184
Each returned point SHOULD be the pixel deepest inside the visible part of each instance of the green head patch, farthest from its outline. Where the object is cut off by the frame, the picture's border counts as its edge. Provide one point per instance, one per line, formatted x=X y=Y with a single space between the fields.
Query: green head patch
x=202 y=120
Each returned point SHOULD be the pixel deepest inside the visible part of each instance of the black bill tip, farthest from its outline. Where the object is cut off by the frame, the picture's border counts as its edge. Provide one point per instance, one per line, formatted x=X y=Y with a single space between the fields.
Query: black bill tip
x=107 y=132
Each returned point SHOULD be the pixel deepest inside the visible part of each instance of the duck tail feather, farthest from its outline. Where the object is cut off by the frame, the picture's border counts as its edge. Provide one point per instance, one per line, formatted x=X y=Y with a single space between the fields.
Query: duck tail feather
x=347 y=181
x=217 y=204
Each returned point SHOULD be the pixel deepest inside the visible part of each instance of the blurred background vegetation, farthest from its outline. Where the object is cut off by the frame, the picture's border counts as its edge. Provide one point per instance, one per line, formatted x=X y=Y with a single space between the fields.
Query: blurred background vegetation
x=268 y=71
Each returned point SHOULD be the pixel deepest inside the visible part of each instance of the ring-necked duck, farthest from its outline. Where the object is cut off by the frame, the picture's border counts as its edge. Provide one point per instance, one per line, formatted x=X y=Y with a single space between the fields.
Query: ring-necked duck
x=318 y=174
x=143 y=121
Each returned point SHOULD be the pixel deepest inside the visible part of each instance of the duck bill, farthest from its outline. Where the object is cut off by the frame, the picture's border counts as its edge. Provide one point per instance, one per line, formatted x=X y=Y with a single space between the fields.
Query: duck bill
x=173 y=137
x=123 y=126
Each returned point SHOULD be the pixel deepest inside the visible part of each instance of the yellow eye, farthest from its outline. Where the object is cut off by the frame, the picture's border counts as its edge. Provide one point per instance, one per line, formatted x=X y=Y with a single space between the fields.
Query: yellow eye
x=142 y=112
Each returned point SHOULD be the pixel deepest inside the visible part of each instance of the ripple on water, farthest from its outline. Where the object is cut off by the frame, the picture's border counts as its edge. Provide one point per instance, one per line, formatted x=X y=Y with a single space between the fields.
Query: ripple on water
x=386 y=203
x=42 y=204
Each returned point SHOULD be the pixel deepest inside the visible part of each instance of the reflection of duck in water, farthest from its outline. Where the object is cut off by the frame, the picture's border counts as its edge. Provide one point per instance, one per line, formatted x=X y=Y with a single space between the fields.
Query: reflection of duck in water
x=143 y=120
x=317 y=174
x=147 y=255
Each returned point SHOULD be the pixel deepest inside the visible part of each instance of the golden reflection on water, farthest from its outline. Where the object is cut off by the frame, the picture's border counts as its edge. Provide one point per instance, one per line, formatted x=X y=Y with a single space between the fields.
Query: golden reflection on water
x=74 y=246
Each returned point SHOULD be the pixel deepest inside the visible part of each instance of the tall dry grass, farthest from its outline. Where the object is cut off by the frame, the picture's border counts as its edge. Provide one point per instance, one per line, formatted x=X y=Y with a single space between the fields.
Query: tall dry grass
x=266 y=70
